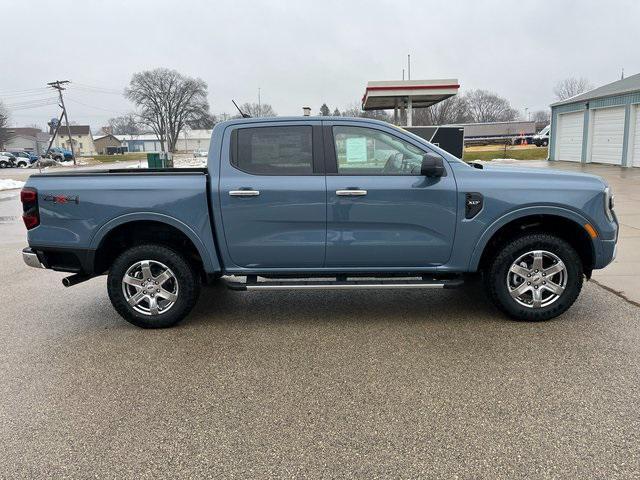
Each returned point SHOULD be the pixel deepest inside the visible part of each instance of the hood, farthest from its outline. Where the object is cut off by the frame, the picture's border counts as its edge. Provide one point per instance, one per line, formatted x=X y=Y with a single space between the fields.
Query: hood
x=543 y=175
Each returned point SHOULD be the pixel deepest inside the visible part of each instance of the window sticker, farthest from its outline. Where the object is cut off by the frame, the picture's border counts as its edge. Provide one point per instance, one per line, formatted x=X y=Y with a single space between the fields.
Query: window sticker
x=356 y=149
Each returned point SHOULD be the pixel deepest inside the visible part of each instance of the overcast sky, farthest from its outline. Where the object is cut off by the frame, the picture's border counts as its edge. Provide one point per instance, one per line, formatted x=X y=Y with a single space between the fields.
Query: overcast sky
x=302 y=52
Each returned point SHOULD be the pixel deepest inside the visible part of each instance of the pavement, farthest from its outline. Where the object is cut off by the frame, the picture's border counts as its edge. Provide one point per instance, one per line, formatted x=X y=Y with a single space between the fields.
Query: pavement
x=364 y=384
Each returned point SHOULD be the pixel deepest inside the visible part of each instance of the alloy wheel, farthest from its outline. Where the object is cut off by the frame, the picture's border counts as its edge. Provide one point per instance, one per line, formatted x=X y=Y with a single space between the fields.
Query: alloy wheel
x=537 y=279
x=150 y=287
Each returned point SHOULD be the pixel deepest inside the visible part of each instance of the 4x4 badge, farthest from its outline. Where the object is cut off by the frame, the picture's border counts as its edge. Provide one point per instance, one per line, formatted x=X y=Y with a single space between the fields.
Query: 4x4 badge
x=62 y=199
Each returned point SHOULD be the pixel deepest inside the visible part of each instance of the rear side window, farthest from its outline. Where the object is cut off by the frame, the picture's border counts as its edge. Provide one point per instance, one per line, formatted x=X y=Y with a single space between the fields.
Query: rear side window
x=274 y=150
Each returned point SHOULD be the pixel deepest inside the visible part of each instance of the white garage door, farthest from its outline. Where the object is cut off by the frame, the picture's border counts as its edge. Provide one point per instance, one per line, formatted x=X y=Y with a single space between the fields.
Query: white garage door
x=569 y=138
x=608 y=135
x=636 y=137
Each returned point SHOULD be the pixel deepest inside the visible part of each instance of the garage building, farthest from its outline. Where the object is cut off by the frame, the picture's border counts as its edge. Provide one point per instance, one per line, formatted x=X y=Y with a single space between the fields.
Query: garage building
x=600 y=126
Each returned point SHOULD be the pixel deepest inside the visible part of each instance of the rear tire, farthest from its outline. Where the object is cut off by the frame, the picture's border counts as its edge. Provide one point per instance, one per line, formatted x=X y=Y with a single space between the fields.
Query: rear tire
x=160 y=302
x=534 y=277
x=3 y=164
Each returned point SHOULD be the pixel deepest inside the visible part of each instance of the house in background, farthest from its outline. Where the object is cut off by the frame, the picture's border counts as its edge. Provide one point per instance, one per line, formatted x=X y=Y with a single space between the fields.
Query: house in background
x=191 y=140
x=144 y=142
x=81 y=137
x=107 y=144
x=188 y=141
x=28 y=139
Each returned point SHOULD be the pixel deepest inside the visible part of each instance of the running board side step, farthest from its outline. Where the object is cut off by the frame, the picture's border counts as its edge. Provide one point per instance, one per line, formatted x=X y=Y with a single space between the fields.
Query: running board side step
x=252 y=283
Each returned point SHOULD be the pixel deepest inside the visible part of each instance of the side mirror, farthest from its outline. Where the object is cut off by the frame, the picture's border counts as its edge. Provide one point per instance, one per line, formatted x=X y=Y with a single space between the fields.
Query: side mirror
x=432 y=166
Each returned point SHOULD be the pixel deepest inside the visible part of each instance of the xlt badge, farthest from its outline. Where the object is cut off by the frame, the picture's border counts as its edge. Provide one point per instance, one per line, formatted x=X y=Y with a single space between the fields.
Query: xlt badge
x=473 y=204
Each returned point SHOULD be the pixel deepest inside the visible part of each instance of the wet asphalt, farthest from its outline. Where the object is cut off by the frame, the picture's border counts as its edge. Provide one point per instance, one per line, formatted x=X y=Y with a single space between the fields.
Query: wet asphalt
x=367 y=384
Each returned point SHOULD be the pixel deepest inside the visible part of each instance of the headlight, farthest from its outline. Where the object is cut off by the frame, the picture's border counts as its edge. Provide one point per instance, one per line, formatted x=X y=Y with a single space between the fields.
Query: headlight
x=608 y=203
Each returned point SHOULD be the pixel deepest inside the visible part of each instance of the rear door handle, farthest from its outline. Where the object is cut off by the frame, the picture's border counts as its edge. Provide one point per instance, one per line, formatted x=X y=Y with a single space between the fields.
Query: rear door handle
x=244 y=193
x=351 y=193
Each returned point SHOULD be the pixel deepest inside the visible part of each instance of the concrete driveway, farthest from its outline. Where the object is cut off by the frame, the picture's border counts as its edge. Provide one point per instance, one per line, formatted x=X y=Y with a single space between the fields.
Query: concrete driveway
x=623 y=275
x=368 y=384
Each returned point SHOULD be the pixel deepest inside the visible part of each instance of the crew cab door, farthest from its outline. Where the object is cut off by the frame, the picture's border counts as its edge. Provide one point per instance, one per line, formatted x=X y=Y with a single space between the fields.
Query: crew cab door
x=380 y=211
x=273 y=195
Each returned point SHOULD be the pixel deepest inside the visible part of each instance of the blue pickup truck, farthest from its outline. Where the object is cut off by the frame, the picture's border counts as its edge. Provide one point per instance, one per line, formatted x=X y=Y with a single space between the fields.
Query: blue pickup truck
x=331 y=203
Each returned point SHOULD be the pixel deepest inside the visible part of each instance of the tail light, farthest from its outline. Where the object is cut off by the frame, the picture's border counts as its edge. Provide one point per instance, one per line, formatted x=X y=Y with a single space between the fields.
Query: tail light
x=30 y=212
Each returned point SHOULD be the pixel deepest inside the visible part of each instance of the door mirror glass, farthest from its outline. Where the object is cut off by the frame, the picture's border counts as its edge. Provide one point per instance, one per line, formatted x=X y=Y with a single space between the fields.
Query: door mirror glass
x=432 y=166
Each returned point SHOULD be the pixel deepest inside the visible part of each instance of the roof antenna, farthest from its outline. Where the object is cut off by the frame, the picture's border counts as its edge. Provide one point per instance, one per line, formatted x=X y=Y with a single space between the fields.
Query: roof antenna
x=244 y=115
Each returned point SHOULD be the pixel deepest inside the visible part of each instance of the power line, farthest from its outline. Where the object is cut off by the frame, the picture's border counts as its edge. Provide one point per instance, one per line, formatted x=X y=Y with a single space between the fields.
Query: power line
x=27 y=107
x=74 y=100
x=8 y=92
x=97 y=89
x=23 y=94
x=32 y=101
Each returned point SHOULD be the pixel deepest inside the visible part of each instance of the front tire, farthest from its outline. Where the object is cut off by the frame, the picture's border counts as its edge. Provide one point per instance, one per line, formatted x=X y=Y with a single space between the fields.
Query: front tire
x=153 y=286
x=534 y=277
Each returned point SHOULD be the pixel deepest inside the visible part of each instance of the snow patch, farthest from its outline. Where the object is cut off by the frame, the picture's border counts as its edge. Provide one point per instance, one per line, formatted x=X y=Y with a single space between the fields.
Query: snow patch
x=8 y=184
x=69 y=163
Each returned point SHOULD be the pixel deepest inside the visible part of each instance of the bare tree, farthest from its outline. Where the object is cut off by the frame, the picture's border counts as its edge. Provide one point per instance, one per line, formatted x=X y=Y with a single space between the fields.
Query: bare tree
x=541 y=116
x=484 y=106
x=124 y=125
x=355 y=110
x=570 y=87
x=205 y=122
x=257 y=110
x=167 y=101
x=5 y=136
x=450 y=111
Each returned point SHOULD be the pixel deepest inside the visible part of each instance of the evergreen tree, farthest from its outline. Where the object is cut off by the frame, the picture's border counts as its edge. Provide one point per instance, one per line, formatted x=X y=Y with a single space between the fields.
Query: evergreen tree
x=324 y=110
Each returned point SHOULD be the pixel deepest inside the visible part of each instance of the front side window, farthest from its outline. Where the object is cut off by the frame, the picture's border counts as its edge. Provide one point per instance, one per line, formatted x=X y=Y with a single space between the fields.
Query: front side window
x=274 y=150
x=366 y=151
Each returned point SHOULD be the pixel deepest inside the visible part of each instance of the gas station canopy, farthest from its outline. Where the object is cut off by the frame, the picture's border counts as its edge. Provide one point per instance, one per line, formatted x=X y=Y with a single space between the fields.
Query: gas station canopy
x=385 y=95
x=394 y=94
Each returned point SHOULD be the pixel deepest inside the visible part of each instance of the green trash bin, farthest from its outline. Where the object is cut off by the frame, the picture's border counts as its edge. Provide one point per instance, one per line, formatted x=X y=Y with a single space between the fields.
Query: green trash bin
x=154 y=160
x=159 y=160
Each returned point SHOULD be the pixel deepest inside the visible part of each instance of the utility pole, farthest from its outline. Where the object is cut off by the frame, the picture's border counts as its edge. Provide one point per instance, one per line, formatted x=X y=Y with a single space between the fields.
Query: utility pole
x=259 y=104
x=408 y=66
x=58 y=85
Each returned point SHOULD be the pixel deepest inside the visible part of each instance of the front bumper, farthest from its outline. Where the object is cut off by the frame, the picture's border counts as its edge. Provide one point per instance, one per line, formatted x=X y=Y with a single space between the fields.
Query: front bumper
x=31 y=258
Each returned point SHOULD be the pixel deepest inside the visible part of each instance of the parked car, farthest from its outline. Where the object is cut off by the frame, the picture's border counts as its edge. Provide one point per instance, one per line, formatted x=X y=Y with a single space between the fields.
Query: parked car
x=305 y=203
x=24 y=159
x=200 y=154
x=60 y=154
x=12 y=159
x=541 y=139
x=6 y=161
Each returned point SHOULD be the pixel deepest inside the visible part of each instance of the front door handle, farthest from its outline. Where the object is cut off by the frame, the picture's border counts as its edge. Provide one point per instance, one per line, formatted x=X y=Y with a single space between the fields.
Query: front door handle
x=351 y=193
x=244 y=193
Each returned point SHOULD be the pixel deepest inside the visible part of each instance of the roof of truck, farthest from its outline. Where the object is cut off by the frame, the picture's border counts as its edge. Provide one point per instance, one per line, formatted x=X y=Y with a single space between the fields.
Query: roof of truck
x=235 y=121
